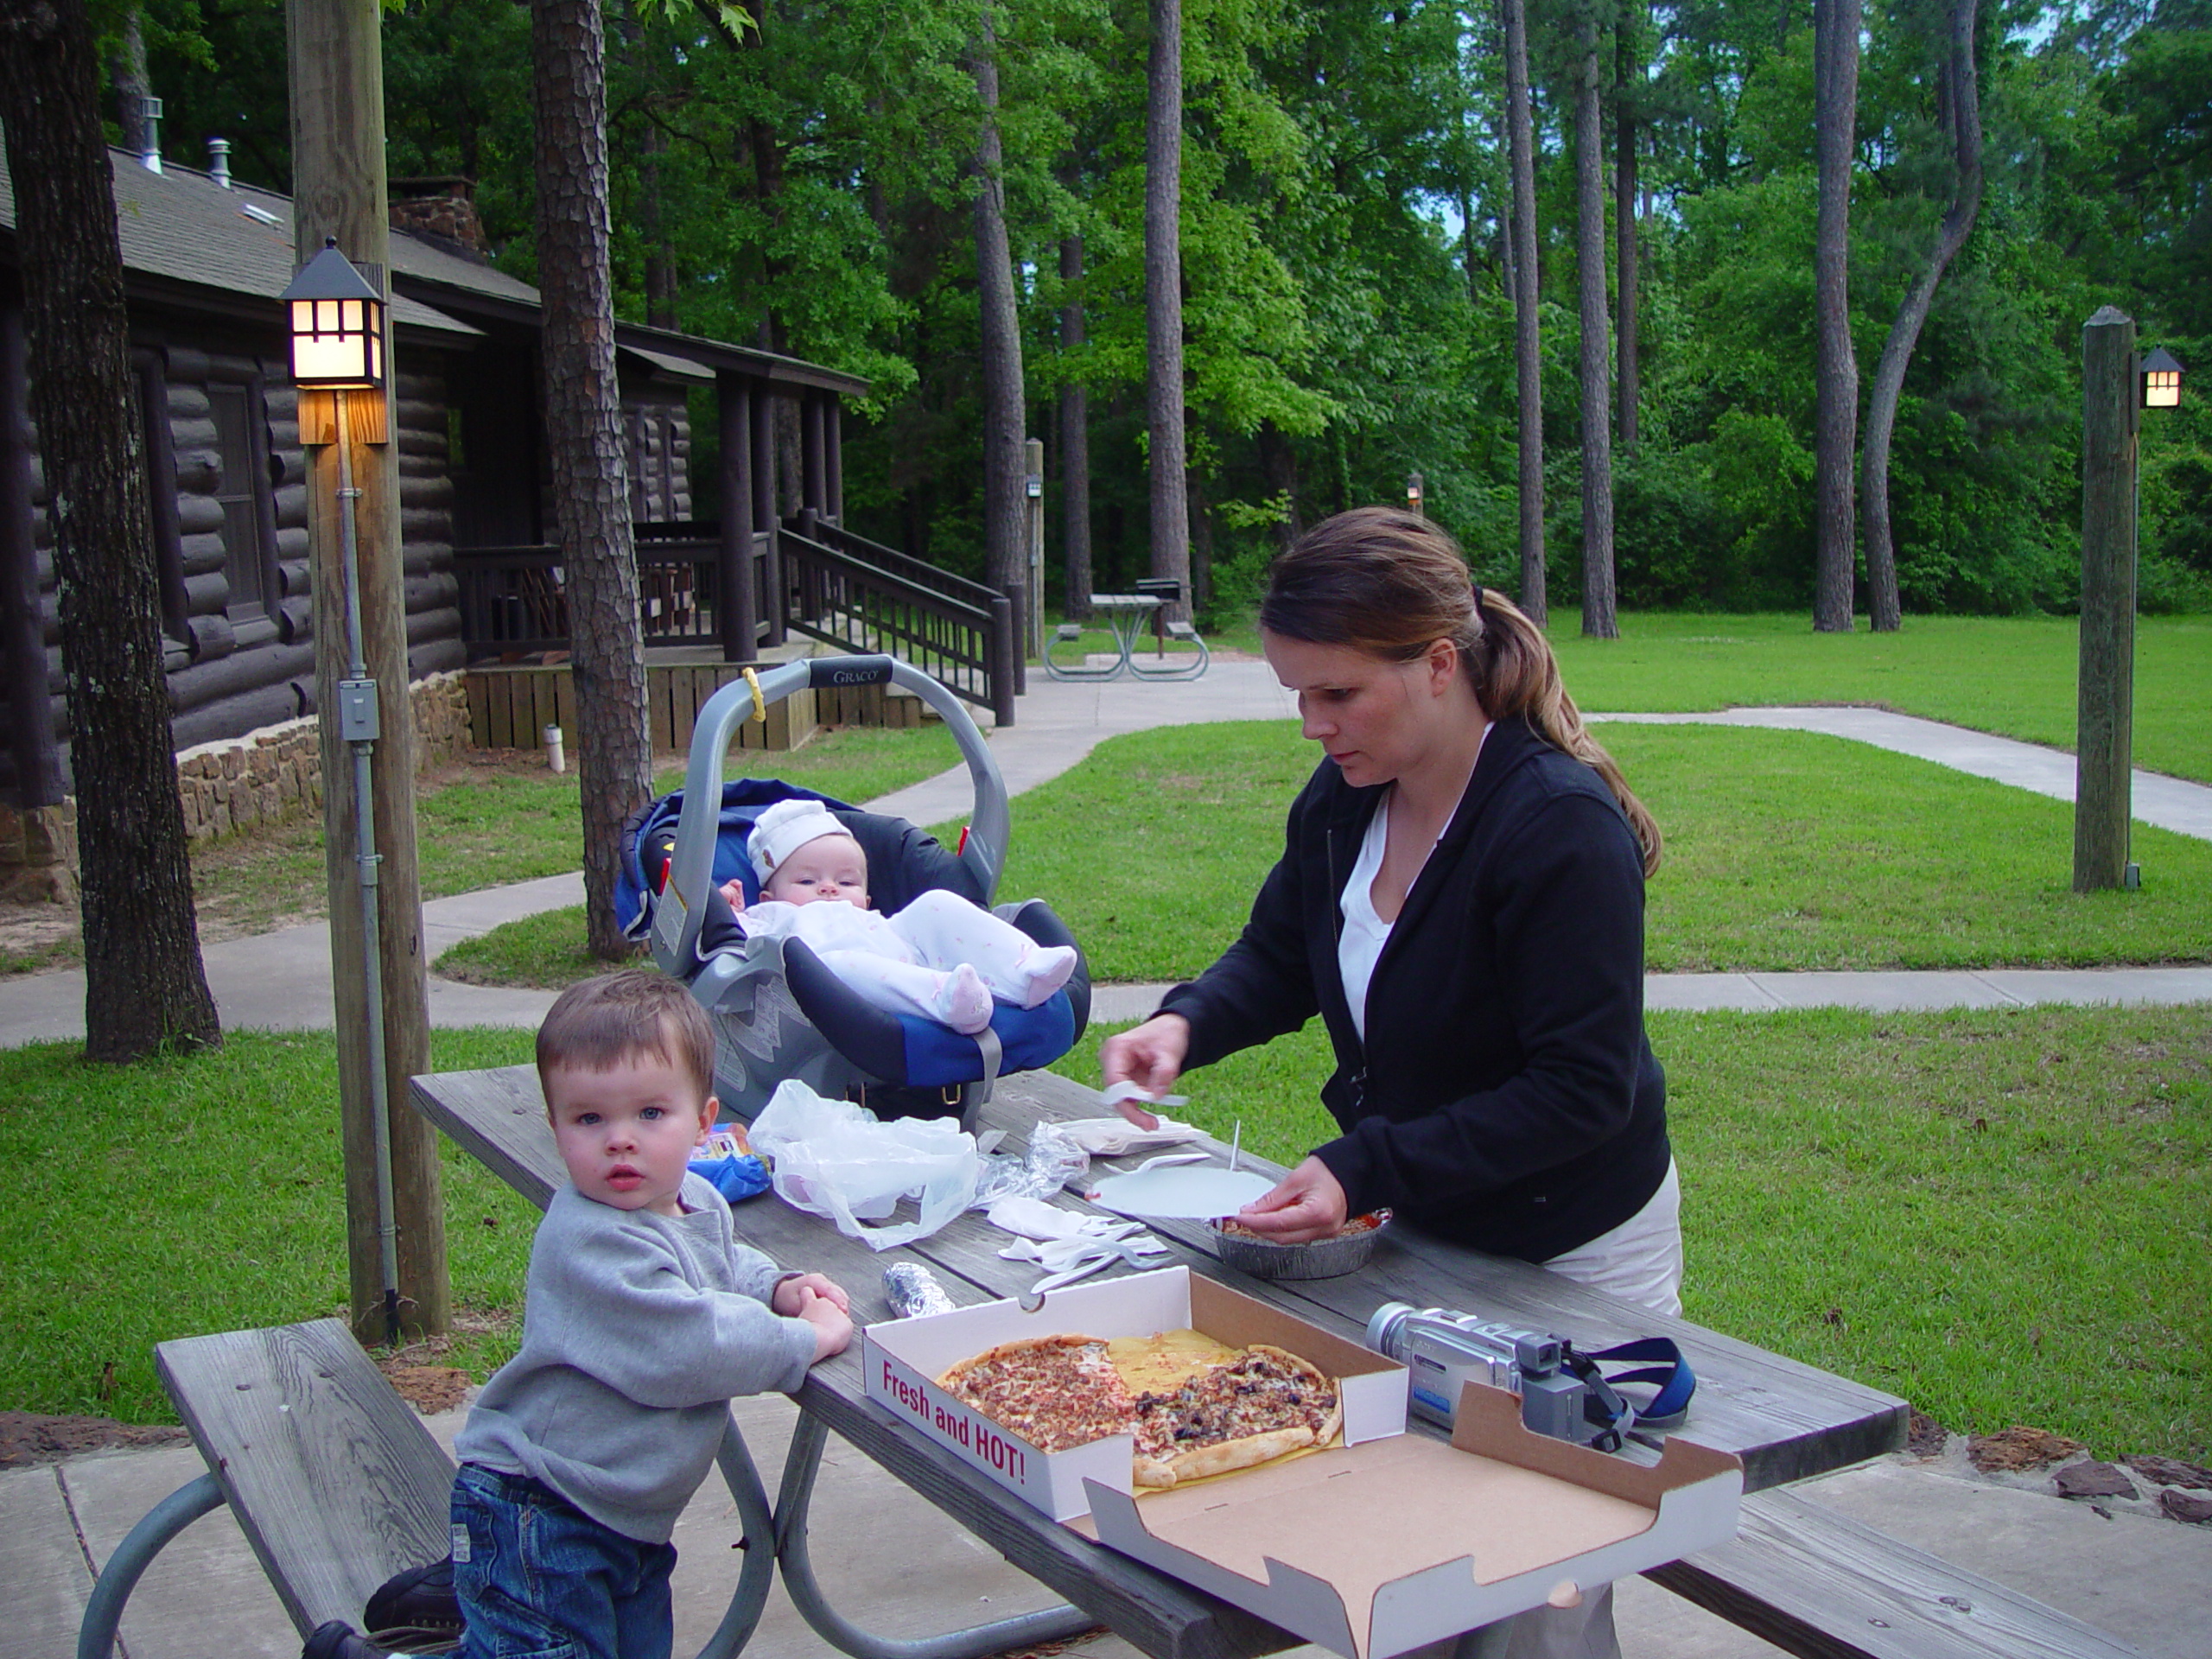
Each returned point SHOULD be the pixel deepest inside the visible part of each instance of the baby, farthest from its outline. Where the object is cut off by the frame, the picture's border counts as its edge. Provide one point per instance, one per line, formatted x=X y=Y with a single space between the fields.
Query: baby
x=941 y=957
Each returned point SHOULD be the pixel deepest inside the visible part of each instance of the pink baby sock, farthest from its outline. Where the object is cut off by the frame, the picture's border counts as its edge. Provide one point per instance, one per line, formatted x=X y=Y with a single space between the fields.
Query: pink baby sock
x=1044 y=970
x=964 y=1002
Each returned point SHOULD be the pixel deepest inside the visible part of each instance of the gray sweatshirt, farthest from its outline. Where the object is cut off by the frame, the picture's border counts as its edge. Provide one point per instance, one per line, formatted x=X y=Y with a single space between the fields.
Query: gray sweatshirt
x=637 y=1331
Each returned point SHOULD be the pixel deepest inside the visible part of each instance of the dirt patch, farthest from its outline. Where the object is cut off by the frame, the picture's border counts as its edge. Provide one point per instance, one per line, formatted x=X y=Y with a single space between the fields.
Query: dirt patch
x=2009 y=1450
x=28 y=1438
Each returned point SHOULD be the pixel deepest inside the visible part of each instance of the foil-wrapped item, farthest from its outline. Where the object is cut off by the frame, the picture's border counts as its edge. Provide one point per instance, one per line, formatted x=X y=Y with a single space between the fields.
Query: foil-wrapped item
x=913 y=1289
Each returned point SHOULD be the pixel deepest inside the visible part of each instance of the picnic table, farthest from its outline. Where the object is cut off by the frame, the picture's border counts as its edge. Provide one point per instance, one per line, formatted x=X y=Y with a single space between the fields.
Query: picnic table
x=1127 y=616
x=1786 y=1421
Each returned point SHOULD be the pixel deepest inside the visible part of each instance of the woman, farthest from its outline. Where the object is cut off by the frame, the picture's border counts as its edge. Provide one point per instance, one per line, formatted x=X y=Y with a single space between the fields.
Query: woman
x=1460 y=897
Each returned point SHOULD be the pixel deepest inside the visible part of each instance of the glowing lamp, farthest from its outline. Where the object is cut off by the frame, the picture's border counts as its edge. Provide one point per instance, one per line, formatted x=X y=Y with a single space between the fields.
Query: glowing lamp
x=2161 y=380
x=337 y=326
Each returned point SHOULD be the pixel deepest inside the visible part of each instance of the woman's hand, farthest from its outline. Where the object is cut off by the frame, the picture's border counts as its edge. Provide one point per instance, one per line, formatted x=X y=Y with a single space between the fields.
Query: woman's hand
x=1151 y=1056
x=1309 y=1203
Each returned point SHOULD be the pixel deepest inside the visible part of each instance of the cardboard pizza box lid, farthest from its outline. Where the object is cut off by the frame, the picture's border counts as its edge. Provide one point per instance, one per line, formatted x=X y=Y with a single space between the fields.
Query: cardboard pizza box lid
x=1372 y=1549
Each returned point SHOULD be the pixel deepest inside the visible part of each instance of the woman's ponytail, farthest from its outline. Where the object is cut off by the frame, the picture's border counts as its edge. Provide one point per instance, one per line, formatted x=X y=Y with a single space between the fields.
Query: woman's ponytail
x=1518 y=676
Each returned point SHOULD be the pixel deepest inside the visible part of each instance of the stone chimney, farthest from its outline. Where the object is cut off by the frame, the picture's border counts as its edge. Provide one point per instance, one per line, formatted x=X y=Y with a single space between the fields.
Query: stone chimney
x=441 y=212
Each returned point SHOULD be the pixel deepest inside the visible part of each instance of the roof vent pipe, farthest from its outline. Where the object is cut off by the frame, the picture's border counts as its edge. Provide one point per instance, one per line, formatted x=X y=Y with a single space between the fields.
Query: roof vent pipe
x=151 y=159
x=218 y=161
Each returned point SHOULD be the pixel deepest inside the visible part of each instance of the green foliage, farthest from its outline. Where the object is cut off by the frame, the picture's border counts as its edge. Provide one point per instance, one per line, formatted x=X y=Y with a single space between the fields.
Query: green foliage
x=803 y=179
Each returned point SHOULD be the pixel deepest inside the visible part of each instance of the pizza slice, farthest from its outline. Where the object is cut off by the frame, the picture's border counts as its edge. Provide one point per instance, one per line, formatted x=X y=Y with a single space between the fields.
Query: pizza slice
x=1056 y=1392
x=1262 y=1404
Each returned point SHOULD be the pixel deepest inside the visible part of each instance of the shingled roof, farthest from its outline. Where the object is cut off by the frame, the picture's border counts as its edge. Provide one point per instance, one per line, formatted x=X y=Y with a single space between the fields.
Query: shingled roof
x=190 y=242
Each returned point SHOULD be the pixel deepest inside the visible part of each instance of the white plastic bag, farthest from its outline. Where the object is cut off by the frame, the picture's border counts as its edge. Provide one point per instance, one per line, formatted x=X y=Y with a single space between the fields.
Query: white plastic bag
x=832 y=1157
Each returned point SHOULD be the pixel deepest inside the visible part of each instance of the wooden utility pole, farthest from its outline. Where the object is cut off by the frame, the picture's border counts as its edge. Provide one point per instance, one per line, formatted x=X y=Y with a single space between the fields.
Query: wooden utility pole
x=2104 y=740
x=338 y=190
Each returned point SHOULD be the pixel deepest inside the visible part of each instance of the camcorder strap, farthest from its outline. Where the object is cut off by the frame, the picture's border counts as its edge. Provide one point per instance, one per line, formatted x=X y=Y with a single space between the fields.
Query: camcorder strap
x=1613 y=1413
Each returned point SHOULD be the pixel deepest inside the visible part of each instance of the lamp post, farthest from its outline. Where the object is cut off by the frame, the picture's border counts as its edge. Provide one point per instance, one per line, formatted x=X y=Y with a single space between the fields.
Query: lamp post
x=337 y=325
x=1413 y=495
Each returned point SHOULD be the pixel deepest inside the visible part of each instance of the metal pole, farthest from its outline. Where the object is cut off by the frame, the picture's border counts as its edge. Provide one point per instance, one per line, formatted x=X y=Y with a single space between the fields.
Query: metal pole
x=1033 y=490
x=358 y=724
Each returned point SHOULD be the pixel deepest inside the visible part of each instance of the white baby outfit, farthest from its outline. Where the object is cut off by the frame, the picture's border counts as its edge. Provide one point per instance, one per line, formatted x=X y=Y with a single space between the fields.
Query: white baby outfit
x=941 y=957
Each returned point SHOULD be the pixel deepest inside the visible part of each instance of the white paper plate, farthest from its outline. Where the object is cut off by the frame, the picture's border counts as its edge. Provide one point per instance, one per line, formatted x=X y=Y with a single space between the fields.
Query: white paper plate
x=1195 y=1192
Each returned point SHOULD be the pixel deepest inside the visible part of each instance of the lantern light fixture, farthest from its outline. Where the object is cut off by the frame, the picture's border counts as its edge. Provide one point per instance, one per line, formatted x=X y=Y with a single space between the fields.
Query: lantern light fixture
x=2161 y=380
x=1413 y=493
x=337 y=326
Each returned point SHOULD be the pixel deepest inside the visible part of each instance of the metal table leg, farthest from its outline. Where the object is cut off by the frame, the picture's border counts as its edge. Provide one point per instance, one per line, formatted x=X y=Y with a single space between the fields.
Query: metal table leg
x=757 y=1539
x=104 y=1608
x=800 y=1464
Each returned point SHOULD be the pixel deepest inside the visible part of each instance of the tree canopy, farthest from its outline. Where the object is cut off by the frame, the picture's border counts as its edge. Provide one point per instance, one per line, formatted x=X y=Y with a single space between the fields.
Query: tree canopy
x=808 y=183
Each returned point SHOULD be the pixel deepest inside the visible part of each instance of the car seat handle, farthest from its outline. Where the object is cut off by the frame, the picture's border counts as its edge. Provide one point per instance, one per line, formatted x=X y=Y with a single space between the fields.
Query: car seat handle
x=676 y=924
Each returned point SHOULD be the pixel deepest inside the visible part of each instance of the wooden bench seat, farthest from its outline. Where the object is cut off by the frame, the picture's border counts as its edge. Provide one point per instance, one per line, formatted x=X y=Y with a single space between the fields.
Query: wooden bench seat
x=331 y=1475
x=1821 y=1585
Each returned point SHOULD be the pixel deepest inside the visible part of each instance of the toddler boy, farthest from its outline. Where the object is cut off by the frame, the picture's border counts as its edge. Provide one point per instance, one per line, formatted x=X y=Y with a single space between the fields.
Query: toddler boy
x=941 y=957
x=644 y=1315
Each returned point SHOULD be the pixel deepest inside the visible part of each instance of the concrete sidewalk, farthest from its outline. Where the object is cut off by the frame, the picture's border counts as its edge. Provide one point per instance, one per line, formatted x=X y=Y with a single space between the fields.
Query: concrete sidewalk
x=895 y=1566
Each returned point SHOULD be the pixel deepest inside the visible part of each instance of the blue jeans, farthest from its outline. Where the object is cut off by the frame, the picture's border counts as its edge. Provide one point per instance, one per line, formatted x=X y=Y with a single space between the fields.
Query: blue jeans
x=538 y=1577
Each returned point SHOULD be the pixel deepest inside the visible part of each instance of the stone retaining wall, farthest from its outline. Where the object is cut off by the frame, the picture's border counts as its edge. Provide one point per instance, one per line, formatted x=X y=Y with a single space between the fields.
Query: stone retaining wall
x=265 y=777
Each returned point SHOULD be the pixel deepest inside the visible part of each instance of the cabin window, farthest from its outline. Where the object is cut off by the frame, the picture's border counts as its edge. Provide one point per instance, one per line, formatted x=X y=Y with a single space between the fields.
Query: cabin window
x=243 y=483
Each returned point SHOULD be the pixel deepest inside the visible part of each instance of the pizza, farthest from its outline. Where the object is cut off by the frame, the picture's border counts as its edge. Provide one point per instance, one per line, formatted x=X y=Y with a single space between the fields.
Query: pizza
x=1206 y=1409
x=1055 y=1392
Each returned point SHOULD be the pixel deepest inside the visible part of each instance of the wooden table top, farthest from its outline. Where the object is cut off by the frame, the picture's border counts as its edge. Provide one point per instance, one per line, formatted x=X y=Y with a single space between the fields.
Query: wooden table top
x=1785 y=1420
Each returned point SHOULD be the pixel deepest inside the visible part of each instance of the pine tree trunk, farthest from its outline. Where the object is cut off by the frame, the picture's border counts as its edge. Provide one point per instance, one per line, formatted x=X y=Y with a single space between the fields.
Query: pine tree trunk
x=144 y=985
x=1835 y=376
x=1961 y=116
x=1075 y=440
x=1006 y=552
x=1626 y=71
x=1599 y=620
x=584 y=445
x=1527 y=285
x=127 y=69
x=1163 y=301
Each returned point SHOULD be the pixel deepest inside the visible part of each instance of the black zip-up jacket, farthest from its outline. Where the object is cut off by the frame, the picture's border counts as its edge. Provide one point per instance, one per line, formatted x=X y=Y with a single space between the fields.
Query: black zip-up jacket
x=1506 y=1097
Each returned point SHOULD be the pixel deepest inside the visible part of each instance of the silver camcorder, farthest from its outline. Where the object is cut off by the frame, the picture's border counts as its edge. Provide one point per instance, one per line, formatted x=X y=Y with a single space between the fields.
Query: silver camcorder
x=1441 y=1349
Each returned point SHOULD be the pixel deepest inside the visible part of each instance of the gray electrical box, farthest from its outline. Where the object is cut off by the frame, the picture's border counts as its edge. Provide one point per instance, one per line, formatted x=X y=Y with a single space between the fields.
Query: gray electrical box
x=356 y=711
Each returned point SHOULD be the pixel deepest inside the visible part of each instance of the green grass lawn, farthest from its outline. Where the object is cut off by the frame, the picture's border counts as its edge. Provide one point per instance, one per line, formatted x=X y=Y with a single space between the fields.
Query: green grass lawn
x=1785 y=850
x=181 y=1196
x=2003 y=1217
x=2013 y=676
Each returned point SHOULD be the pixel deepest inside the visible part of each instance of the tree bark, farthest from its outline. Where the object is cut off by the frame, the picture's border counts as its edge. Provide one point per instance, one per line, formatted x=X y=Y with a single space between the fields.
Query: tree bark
x=1599 y=619
x=1006 y=511
x=1528 y=285
x=1075 y=439
x=1960 y=115
x=1163 y=301
x=127 y=71
x=584 y=444
x=1627 y=66
x=144 y=985
x=1835 y=384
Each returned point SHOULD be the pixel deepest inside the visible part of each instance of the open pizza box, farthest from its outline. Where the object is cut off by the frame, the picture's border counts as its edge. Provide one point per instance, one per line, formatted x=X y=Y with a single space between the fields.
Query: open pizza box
x=902 y=1357
x=1370 y=1550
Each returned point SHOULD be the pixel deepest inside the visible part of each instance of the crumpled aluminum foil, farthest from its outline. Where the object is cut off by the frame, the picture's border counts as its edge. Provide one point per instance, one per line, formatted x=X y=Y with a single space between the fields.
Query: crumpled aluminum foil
x=913 y=1289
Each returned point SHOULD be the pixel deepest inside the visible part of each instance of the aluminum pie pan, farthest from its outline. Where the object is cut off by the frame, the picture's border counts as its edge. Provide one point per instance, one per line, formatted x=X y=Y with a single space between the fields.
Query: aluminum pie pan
x=1323 y=1258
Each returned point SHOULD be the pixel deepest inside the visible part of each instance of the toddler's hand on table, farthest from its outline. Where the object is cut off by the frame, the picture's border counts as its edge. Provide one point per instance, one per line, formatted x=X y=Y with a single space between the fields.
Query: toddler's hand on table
x=1308 y=1203
x=784 y=1299
x=833 y=1326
